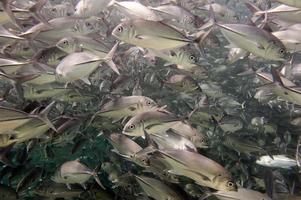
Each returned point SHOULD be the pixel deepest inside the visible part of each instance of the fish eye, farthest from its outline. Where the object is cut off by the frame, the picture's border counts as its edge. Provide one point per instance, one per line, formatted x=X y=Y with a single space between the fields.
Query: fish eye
x=132 y=126
x=65 y=42
x=120 y=29
x=192 y=58
x=148 y=103
x=281 y=51
x=88 y=24
x=230 y=184
x=54 y=10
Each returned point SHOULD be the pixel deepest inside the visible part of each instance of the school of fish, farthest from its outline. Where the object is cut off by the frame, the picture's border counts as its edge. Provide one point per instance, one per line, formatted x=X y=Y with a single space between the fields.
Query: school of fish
x=150 y=99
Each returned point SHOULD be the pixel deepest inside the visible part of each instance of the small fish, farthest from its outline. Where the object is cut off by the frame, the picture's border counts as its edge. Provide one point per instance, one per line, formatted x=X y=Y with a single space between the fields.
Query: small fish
x=72 y=172
x=241 y=193
x=183 y=57
x=82 y=43
x=172 y=140
x=123 y=145
x=150 y=34
x=182 y=16
x=50 y=56
x=182 y=83
x=120 y=107
x=80 y=65
x=157 y=189
x=56 y=190
x=152 y=122
x=201 y=169
x=277 y=161
x=223 y=12
x=62 y=27
x=294 y=3
x=290 y=38
x=88 y=8
x=242 y=145
x=135 y=10
x=282 y=12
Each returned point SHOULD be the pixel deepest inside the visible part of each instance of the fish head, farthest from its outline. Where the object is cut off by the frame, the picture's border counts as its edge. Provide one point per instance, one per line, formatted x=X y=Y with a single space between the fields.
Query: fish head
x=67 y=44
x=123 y=31
x=200 y=141
x=89 y=25
x=133 y=127
x=147 y=104
x=276 y=51
x=224 y=183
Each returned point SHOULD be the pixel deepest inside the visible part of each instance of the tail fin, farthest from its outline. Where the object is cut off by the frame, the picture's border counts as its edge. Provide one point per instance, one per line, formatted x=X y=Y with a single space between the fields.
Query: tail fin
x=36 y=11
x=6 y=5
x=94 y=174
x=44 y=116
x=109 y=59
x=276 y=77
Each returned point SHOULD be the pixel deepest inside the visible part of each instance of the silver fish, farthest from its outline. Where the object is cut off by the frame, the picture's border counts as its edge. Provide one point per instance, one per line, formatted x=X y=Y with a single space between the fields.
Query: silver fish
x=150 y=34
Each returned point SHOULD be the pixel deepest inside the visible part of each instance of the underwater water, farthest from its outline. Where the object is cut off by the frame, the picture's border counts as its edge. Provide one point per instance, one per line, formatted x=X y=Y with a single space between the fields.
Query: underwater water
x=164 y=99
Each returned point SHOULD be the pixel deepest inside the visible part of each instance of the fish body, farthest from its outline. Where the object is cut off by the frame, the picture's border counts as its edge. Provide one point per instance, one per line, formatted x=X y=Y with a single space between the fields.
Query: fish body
x=294 y=3
x=171 y=140
x=255 y=40
x=136 y=10
x=78 y=65
x=156 y=189
x=203 y=170
x=72 y=172
x=124 y=145
x=241 y=193
x=182 y=16
x=152 y=122
x=278 y=161
x=127 y=106
x=88 y=8
x=150 y=34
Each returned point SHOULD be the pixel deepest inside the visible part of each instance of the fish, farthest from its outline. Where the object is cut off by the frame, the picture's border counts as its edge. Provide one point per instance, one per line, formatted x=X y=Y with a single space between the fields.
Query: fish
x=172 y=140
x=88 y=8
x=127 y=106
x=13 y=119
x=277 y=161
x=152 y=122
x=135 y=10
x=243 y=146
x=74 y=171
x=185 y=60
x=82 y=43
x=255 y=40
x=199 y=168
x=182 y=83
x=223 y=12
x=50 y=56
x=150 y=34
x=156 y=189
x=282 y=12
x=246 y=194
x=79 y=66
x=289 y=38
x=294 y=3
x=62 y=27
x=55 y=190
x=123 y=145
x=176 y=13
